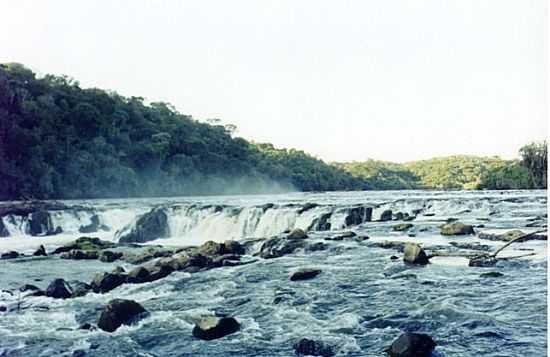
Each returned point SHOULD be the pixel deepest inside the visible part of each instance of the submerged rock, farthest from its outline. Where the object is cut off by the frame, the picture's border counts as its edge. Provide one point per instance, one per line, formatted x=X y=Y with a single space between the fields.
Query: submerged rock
x=120 y=312
x=12 y=254
x=456 y=228
x=412 y=345
x=492 y=274
x=414 y=254
x=59 y=289
x=402 y=227
x=78 y=254
x=307 y=347
x=304 y=274
x=41 y=251
x=212 y=327
x=150 y=226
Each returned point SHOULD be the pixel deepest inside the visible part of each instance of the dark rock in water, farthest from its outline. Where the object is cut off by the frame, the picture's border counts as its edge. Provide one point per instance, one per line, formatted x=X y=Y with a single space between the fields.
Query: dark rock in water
x=9 y=255
x=41 y=251
x=343 y=236
x=212 y=327
x=394 y=257
x=59 y=289
x=297 y=233
x=279 y=246
x=306 y=347
x=159 y=272
x=94 y=226
x=456 y=228
x=408 y=218
x=412 y=345
x=399 y=246
x=138 y=275
x=414 y=254
x=233 y=247
x=108 y=256
x=402 y=227
x=104 y=282
x=86 y=326
x=3 y=230
x=118 y=270
x=3 y=308
x=321 y=223
x=398 y=216
x=492 y=274
x=307 y=207
x=386 y=215
x=304 y=274
x=120 y=312
x=85 y=243
x=358 y=215
x=79 y=288
x=152 y=225
x=211 y=248
x=471 y=246
x=483 y=262
x=315 y=247
x=78 y=254
x=40 y=223
x=28 y=287
x=510 y=235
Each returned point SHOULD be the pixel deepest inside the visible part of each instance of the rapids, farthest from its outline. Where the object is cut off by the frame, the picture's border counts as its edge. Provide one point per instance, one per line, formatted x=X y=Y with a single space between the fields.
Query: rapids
x=359 y=304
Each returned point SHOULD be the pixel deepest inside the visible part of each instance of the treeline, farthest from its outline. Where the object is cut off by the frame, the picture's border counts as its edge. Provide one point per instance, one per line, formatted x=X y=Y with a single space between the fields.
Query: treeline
x=458 y=172
x=58 y=140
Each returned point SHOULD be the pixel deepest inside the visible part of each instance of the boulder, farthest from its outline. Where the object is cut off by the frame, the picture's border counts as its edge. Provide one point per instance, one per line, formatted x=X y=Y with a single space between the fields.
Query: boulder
x=213 y=327
x=12 y=254
x=358 y=215
x=104 y=282
x=316 y=247
x=398 y=216
x=321 y=223
x=85 y=243
x=386 y=215
x=28 y=287
x=41 y=251
x=297 y=233
x=120 y=312
x=482 y=262
x=40 y=223
x=59 y=289
x=233 y=247
x=78 y=254
x=307 y=207
x=211 y=248
x=414 y=254
x=402 y=227
x=306 y=347
x=150 y=226
x=304 y=274
x=138 y=275
x=492 y=274
x=506 y=236
x=108 y=256
x=456 y=228
x=94 y=226
x=276 y=247
x=412 y=345
x=399 y=246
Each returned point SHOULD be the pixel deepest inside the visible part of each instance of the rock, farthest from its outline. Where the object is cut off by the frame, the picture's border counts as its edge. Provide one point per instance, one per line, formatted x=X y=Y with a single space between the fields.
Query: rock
x=118 y=270
x=104 y=282
x=3 y=230
x=150 y=226
x=297 y=233
x=402 y=227
x=40 y=223
x=399 y=246
x=358 y=215
x=307 y=207
x=225 y=260
x=412 y=345
x=408 y=218
x=456 y=228
x=315 y=247
x=211 y=248
x=79 y=288
x=94 y=226
x=279 y=246
x=12 y=254
x=394 y=257
x=138 y=275
x=482 y=262
x=159 y=272
x=306 y=347
x=86 y=326
x=212 y=327
x=507 y=236
x=414 y=254
x=321 y=223
x=398 y=216
x=233 y=247
x=59 y=289
x=471 y=246
x=28 y=287
x=3 y=308
x=343 y=236
x=120 y=312
x=386 y=215
x=41 y=251
x=492 y=274
x=108 y=256
x=304 y=274
x=85 y=243
x=78 y=254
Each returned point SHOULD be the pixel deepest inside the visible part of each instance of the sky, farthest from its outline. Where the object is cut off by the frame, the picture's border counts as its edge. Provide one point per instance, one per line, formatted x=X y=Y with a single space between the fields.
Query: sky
x=390 y=80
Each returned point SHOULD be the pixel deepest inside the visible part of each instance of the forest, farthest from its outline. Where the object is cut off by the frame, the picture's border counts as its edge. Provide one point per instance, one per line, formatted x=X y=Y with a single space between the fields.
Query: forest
x=58 y=140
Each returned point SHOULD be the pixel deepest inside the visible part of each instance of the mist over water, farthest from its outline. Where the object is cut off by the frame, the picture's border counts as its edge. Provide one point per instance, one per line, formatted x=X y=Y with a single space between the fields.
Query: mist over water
x=360 y=302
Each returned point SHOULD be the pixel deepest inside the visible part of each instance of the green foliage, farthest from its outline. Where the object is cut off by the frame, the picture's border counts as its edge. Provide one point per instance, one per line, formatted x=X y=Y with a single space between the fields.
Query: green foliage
x=58 y=140
x=383 y=175
x=534 y=157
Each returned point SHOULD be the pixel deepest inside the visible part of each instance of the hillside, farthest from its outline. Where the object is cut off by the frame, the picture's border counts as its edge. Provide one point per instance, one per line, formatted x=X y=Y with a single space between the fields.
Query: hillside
x=58 y=140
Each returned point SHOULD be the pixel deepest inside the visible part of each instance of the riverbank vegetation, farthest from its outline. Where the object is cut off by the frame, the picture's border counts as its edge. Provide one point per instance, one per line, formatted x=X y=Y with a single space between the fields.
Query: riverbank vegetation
x=58 y=140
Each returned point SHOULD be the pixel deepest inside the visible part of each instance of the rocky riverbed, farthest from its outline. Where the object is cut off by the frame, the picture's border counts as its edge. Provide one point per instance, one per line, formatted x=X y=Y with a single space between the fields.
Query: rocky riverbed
x=357 y=274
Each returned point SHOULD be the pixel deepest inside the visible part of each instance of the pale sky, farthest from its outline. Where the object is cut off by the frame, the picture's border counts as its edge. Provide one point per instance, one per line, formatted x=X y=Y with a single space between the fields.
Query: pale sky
x=343 y=80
